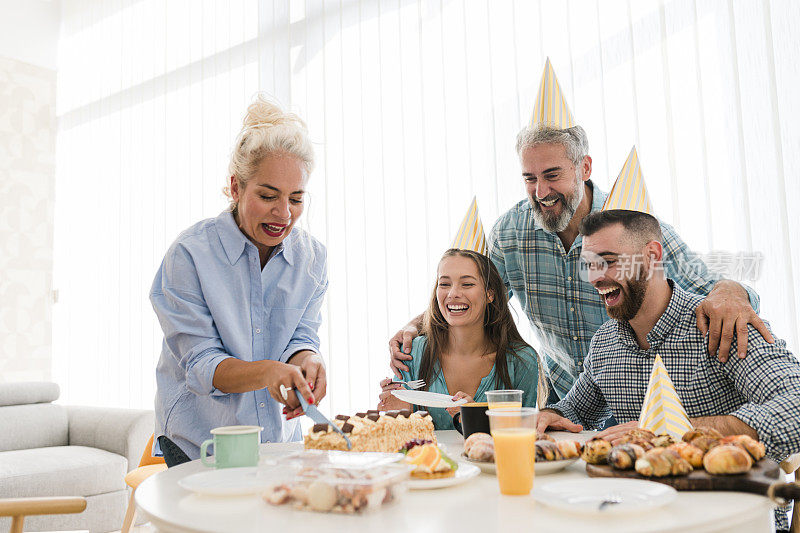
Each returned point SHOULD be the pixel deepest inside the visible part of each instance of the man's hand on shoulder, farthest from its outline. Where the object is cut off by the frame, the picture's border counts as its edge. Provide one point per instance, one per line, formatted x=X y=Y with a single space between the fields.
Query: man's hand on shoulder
x=549 y=418
x=725 y=311
x=400 y=346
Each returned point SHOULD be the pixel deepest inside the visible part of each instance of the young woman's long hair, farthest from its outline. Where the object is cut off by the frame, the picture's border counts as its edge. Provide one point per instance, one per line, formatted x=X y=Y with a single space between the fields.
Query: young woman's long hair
x=498 y=324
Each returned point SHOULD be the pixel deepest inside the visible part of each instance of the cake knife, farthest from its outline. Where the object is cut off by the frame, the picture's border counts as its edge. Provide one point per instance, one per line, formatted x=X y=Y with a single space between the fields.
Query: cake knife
x=313 y=413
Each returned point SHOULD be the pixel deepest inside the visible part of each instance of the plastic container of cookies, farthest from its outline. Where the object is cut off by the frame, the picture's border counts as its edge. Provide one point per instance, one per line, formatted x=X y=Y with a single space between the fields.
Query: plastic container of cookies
x=312 y=483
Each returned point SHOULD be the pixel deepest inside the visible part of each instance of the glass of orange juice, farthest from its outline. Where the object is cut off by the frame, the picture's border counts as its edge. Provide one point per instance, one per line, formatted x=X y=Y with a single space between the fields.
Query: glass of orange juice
x=514 y=433
x=504 y=399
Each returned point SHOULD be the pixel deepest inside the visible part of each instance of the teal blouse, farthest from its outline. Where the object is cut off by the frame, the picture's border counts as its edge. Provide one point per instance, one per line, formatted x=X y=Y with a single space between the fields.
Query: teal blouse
x=523 y=370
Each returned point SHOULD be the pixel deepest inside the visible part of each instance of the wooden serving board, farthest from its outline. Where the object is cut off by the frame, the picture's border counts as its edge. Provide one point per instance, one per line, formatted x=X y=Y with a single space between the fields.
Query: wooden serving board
x=758 y=480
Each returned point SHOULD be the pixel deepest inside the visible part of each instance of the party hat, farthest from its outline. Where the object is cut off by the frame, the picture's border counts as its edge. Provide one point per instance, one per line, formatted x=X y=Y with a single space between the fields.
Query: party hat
x=629 y=191
x=470 y=233
x=662 y=411
x=551 y=108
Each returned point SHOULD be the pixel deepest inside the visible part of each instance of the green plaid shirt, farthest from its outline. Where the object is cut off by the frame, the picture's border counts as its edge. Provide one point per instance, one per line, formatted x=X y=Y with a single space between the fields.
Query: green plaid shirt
x=564 y=310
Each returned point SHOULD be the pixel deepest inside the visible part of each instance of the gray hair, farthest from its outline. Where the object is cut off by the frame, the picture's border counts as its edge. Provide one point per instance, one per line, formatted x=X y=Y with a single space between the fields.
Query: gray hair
x=267 y=129
x=574 y=140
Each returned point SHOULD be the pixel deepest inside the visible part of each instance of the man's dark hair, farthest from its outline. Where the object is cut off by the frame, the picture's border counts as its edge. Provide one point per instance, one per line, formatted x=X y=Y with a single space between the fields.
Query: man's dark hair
x=641 y=226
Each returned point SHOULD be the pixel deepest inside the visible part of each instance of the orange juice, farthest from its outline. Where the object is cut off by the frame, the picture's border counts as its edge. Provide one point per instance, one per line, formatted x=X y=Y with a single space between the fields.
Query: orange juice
x=514 y=456
x=505 y=405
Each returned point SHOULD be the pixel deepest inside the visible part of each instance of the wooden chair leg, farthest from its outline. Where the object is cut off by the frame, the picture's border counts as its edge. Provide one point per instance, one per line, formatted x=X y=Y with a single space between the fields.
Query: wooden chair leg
x=16 y=524
x=130 y=514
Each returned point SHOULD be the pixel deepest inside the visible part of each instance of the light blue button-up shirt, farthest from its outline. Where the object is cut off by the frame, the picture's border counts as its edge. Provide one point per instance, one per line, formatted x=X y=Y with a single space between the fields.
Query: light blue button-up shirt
x=214 y=301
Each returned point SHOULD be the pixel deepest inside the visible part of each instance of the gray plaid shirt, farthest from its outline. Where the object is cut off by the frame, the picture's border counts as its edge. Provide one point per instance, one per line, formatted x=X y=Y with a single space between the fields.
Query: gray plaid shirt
x=762 y=390
x=564 y=309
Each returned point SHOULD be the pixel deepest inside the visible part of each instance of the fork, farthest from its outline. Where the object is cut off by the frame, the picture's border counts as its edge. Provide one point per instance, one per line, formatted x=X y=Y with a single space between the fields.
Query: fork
x=610 y=499
x=411 y=385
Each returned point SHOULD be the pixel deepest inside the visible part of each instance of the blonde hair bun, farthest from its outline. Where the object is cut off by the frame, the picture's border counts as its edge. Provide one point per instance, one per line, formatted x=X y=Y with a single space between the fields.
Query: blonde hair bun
x=265 y=113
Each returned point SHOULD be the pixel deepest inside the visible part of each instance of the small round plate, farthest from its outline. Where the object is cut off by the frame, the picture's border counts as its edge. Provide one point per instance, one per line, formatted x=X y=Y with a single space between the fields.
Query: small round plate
x=464 y=473
x=428 y=399
x=586 y=495
x=542 y=468
x=486 y=466
x=226 y=482
x=551 y=467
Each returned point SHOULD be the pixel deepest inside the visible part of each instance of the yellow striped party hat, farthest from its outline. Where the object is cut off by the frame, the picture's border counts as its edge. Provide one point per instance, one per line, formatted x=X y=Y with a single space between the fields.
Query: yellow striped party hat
x=551 y=108
x=662 y=410
x=629 y=191
x=470 y=233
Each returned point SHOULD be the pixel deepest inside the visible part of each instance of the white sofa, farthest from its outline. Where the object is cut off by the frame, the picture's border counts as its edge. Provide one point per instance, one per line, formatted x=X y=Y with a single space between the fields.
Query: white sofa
x=54 y=450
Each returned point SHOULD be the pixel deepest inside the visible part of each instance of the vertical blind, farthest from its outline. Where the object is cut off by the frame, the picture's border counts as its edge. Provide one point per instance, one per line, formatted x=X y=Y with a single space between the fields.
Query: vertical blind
x=413 y=107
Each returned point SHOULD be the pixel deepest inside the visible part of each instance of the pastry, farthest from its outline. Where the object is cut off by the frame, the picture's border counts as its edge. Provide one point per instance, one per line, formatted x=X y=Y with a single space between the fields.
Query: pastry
x=547 y=451
x=756 y=449
x=663 y=441
x=692 y=434
x=474 y=439
x=430 y=462
x=372 y=431
x=637 y=435
x=660 y=462
x=482 y=451
x=569 y=448
x=545 y=436
x=690 y=452
x=624 y=456
x=727 y=459
x=595 y=451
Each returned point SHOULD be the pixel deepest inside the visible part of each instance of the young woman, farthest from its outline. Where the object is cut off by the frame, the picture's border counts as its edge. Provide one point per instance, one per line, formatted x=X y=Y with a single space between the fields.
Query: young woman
x=469 y=342
x=239 y=296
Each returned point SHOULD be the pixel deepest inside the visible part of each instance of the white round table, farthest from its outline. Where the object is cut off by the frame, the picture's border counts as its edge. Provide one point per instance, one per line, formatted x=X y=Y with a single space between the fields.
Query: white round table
x=473 y=506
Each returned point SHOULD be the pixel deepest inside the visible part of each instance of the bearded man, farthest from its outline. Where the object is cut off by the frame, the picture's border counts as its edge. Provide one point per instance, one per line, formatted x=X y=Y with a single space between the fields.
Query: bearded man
x=652 y=315
x=536 y=247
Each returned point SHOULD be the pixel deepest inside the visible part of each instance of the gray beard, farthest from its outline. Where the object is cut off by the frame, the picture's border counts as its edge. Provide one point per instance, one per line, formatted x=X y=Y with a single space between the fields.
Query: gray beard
x=558 y=223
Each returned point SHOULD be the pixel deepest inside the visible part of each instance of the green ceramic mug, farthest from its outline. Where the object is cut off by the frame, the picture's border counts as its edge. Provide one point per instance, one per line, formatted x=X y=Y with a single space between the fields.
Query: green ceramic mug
x=233 y=446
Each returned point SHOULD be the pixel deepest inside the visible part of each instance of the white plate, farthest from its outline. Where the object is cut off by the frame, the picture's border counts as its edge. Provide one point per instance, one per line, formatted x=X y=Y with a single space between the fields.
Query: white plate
x=464 y=472
x=486 y=466
x=551 y=467
x=428 y=399
x=542 y=467
x=585 y=495
x=226 y=481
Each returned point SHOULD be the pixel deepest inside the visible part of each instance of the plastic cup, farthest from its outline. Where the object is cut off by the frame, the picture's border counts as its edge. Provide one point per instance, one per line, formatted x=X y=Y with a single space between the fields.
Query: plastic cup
x=514 y=434
x=504 y=399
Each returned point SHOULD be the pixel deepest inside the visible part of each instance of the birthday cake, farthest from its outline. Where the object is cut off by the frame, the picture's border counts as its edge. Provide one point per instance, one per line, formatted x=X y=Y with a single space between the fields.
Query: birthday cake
x=372 y=431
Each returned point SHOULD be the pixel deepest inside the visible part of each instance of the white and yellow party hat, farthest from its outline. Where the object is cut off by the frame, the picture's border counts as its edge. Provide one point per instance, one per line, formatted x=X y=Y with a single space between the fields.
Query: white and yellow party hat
x=470 y=233
x=551 y=108
x=662 y=410
x=629 y=191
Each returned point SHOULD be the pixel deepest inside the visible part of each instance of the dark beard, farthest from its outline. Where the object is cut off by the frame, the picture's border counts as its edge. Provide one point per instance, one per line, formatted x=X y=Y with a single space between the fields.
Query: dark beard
x=632 y=299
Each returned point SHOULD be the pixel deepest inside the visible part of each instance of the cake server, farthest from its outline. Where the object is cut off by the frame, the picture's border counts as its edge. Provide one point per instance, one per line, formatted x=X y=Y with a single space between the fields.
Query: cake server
x=313 y=413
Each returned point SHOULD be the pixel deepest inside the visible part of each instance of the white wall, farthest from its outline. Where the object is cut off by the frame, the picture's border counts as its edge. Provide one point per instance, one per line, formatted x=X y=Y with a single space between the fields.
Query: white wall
x=28 y=38
x=29 y=31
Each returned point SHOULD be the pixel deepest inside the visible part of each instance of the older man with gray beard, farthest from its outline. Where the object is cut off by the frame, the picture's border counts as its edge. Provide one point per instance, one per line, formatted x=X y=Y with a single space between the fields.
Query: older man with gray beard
x=536 y=246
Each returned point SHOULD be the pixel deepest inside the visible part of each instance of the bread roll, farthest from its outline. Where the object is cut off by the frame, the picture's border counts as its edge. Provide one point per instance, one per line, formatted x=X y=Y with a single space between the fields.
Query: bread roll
x=596 y=451
x=727 y=459
x=482 y=451
x=756 y=449
x=624 y=456
x=569 y=448
x=691 y=453
x=547 y=451
x=663 y=441
x=692 y=434
x=476 y=437
x=638 y=434
x=660 y=462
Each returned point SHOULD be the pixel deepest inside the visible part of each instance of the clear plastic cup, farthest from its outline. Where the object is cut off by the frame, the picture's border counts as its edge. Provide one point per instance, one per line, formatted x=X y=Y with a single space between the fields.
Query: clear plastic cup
x=504 y=399
x=514 y=434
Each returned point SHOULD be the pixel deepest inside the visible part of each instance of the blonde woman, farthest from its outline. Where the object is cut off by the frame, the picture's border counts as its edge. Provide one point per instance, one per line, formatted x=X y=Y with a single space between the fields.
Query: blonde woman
x=238 y=298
